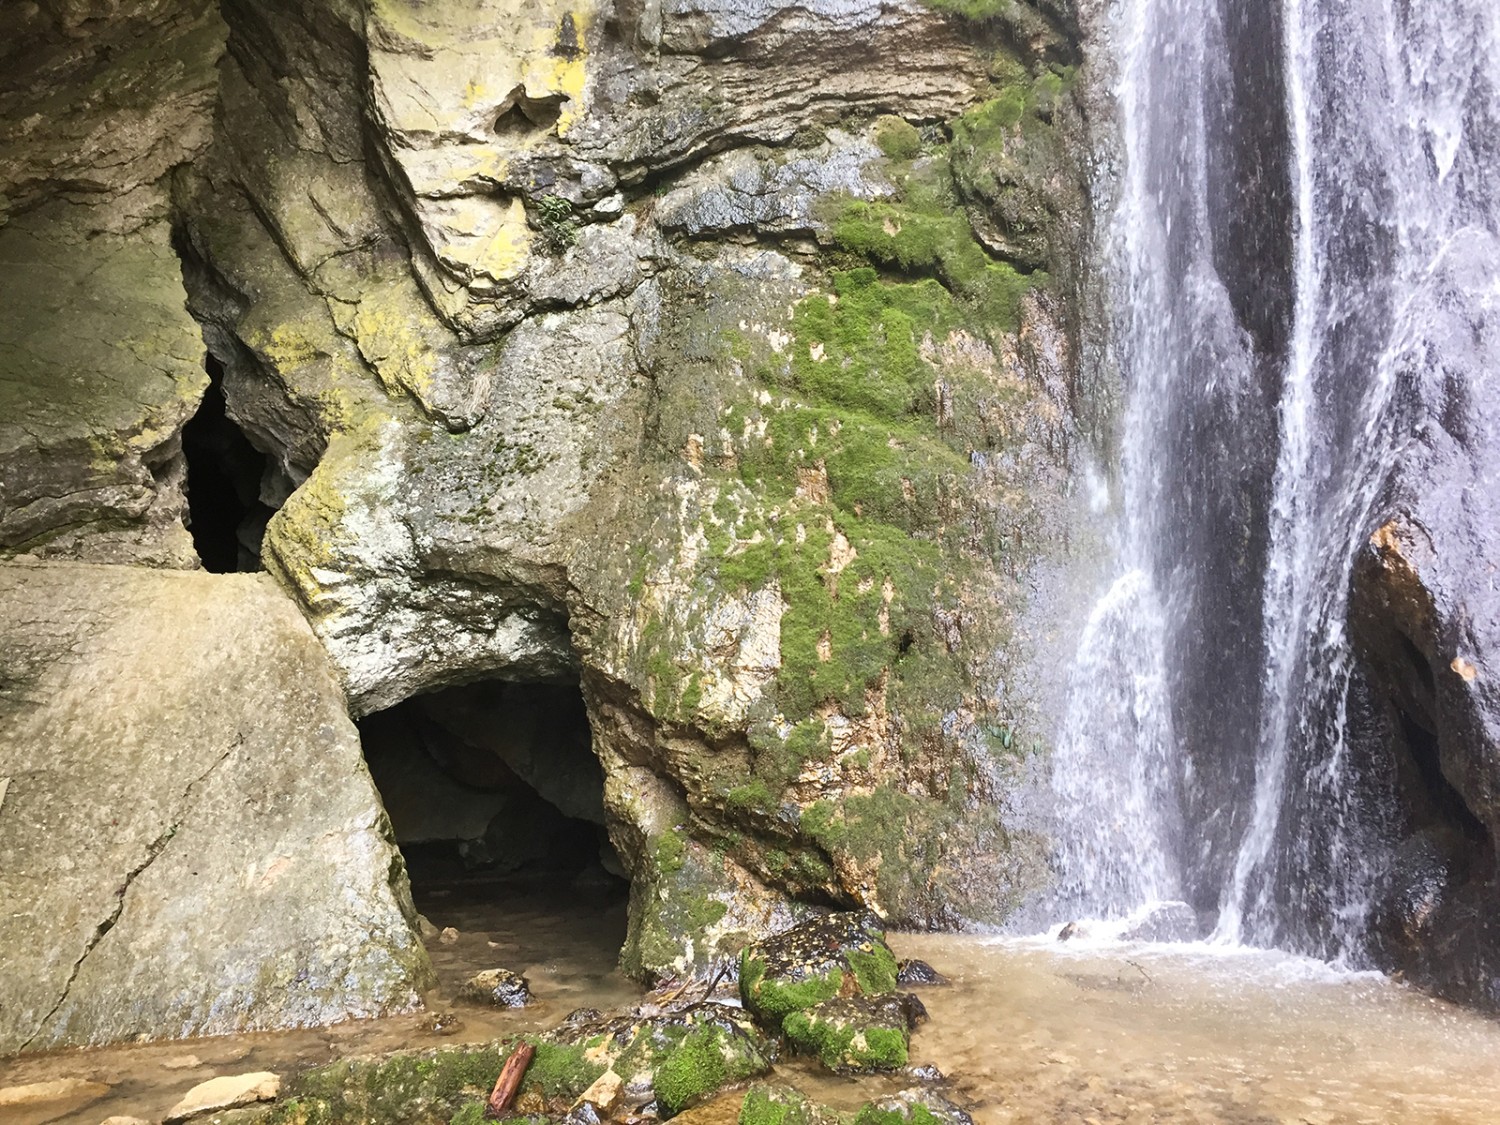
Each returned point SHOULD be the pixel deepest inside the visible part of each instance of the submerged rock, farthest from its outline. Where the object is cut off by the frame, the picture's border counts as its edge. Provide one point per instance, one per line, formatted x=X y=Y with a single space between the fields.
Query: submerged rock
x=916 y=1106
x=911 y=972
x=498 y=987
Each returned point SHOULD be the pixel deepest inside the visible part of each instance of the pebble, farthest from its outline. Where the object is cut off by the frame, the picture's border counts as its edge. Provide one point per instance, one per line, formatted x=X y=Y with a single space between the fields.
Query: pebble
x=448 y=936
x=181 y=1062
x=225 y=1092
x=441 y=1023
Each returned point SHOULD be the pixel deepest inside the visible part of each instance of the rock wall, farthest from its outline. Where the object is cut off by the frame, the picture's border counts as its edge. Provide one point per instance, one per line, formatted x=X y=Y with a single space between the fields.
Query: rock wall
x=718 y=356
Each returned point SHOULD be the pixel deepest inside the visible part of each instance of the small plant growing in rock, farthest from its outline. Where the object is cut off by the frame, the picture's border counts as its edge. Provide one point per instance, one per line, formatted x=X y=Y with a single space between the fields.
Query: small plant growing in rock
x=555 y=217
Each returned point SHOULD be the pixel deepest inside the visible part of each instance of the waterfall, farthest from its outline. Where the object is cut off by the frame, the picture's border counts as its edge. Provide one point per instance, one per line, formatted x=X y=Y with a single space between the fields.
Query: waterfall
x=1309 y=203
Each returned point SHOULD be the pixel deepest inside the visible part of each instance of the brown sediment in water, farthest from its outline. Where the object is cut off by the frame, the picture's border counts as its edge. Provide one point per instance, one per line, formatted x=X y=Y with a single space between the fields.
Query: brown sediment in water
x=1030 y=1032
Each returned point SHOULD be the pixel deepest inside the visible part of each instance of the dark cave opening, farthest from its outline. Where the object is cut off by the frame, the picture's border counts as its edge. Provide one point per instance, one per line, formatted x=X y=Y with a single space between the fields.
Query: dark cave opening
x=496 y=798
x=226 y=515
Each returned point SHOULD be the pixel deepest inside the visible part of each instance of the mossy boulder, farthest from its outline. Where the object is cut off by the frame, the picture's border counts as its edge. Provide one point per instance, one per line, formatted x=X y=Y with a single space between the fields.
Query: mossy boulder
x=836 y=955
x=850 y=1035
x=778 y=1104
x=675 y=1059
x=410 y=1087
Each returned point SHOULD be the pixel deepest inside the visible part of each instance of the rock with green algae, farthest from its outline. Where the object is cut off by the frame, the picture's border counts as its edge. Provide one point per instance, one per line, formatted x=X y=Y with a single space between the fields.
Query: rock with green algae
x=915 y=1106
x=780 y=1104
x=820 y=959
x=692 y=909
x=776 y=512
x=851 y=1035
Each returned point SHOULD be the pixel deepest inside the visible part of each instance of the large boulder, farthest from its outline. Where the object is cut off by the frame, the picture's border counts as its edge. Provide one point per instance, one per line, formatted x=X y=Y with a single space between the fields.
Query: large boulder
x=189 y=838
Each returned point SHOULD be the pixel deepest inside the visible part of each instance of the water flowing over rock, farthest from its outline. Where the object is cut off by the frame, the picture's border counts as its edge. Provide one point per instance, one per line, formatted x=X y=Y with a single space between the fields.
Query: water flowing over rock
x=1284 y=690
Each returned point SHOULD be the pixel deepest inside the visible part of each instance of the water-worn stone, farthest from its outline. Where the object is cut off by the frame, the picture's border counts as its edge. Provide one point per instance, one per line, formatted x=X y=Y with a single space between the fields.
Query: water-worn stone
x=817 y=960
x=917 y=1106
x=171 y=735
x=911 y=971
x=76 y=1092
x=225 y=1092
x=498 y=987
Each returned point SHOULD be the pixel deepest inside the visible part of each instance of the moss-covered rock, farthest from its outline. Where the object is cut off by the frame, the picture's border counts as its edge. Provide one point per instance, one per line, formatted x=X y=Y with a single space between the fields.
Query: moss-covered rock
x=779 y=1104
x=852 y=1034
x=916 y=1106
x=410 y=1087
x=835 y=955
x=675 y=1059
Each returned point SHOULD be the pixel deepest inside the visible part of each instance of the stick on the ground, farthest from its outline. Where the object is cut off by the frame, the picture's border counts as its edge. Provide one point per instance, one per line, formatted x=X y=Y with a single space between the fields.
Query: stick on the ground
x=509 y=1080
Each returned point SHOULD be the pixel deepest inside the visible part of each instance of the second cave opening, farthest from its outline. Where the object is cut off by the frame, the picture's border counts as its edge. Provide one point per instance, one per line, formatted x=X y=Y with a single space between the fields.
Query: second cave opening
x=496 y=799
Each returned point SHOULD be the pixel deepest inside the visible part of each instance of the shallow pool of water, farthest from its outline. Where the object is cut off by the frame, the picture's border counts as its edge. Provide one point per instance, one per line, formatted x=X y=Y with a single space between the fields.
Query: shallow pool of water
x=1032 y=1030
x=1041 y=1031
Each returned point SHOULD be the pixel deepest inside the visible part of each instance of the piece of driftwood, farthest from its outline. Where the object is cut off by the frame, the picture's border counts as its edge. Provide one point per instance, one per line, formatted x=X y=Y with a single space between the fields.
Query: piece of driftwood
x=509 y=1081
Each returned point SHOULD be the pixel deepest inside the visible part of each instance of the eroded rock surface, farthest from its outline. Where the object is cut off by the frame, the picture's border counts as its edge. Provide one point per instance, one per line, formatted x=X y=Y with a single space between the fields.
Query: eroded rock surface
x=654 y=345
x=715 y=357
x=100 y=364
x=189 y=843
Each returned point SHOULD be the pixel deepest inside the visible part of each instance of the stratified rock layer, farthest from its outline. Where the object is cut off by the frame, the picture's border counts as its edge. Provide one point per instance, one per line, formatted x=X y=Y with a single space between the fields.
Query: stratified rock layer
x=189 y=842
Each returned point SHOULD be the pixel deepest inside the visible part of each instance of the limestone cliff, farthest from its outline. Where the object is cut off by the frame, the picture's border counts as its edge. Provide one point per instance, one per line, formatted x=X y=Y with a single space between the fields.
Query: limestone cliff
x=719 y=356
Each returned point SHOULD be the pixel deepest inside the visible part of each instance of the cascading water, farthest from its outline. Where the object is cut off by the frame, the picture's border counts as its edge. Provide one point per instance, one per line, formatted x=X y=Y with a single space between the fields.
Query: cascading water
x=1307 y=191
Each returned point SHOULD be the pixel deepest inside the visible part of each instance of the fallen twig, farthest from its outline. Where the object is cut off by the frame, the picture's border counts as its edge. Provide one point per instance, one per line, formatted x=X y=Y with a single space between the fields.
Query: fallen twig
x=509 y=1081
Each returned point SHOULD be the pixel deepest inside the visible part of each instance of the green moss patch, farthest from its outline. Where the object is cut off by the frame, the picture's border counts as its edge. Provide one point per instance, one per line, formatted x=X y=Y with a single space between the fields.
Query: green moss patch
x=411 y=1087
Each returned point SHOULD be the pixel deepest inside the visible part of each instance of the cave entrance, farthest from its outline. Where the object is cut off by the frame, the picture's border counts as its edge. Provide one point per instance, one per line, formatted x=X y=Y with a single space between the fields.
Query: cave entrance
x=497 y=803
x=226 y=514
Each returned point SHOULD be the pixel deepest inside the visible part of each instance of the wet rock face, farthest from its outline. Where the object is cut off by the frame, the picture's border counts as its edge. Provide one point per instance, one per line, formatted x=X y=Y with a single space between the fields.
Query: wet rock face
x=1427 y=632
x=653 y=345
x=1425 y=617
x=168 y=740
